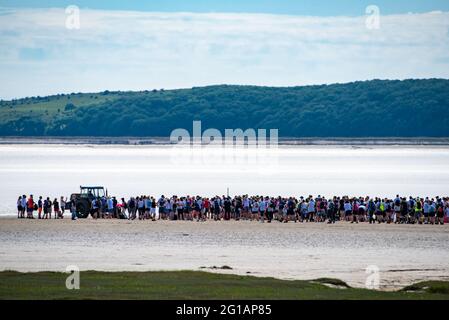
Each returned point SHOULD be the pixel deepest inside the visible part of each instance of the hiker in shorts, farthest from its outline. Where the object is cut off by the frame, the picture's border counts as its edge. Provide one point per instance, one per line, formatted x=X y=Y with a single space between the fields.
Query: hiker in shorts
x=361 y=213
x=161 y=205
x=348 y=210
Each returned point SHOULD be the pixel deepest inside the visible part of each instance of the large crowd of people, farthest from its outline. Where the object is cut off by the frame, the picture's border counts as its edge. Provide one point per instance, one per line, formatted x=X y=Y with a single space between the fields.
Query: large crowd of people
x=399 y=210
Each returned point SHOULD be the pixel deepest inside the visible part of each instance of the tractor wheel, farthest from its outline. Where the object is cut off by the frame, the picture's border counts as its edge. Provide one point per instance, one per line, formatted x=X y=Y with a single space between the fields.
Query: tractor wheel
x=82 y=210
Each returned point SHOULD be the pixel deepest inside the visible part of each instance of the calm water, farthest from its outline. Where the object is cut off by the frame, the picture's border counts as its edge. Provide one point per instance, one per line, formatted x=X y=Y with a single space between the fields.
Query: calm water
x=55 y=170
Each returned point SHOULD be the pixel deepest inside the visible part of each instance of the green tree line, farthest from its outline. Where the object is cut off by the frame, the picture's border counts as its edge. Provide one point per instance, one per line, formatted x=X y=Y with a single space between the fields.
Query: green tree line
x=377 y=108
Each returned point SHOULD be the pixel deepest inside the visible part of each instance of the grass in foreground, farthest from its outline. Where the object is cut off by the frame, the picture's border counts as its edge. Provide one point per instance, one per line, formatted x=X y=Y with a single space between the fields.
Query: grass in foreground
x=195 y=285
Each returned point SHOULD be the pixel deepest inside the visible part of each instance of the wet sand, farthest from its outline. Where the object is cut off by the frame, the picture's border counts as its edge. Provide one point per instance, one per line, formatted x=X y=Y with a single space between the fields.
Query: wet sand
x=404 y=254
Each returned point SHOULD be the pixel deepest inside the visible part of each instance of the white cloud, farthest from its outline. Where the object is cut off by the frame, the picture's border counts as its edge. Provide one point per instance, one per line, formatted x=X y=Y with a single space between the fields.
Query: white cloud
x=139 y=50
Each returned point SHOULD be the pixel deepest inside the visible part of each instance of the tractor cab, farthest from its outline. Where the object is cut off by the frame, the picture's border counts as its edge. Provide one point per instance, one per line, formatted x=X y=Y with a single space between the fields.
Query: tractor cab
x=83 y=200
x=92 y=192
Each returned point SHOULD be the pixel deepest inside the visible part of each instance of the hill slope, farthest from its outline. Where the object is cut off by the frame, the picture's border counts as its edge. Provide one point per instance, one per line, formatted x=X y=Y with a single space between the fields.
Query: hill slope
x=410 y=108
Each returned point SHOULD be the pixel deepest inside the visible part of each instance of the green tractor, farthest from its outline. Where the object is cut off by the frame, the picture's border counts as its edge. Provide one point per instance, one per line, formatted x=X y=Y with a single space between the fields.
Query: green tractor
x=83 y=200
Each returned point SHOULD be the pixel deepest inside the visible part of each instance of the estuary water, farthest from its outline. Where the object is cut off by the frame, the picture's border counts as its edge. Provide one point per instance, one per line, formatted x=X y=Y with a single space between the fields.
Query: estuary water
x=59 y=170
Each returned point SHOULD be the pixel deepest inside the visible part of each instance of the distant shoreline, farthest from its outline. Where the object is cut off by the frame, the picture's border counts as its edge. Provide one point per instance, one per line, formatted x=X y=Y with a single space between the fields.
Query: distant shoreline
x=392 y=141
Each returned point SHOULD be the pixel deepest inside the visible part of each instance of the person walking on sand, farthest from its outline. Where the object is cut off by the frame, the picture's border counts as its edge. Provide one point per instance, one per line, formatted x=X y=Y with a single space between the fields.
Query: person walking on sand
x=49 y=207
x=19 y=207
x=63 y=204
x=30 y=207
x=227 y=208
x=56 y=209
x=418 y=211
x=39 y=207
x=371 y=211
x=446 y=211
x=179 y=208
x=216 y=208
x=262 y=209
x=95 y=211
x=123 y=207
x=349 y=212
x=45 y=209
x=311 y=209
x=110 y=205
x=440 y=211
x=331 y=210
x=432 y=211
x=153 y=209
x=73 y=209
x=131 y=208
x=23 y=206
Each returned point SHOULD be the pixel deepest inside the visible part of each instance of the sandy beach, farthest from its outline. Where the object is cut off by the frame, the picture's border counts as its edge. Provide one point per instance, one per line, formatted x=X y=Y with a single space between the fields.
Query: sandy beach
x=403 y=253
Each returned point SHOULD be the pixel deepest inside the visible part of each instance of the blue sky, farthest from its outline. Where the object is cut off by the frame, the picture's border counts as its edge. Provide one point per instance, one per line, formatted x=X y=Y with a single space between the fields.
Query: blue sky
x=144 y=45
x=296 y=7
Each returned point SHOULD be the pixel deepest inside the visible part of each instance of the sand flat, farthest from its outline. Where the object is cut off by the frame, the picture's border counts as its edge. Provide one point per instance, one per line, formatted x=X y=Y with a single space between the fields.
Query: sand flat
x=403 y=253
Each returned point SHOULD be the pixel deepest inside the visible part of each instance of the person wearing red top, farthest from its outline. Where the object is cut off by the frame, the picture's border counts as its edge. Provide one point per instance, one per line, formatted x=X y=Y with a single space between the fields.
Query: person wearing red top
x=206 y=205
x=30 y=207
